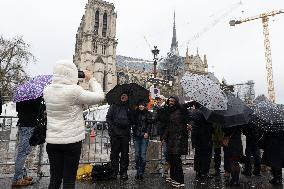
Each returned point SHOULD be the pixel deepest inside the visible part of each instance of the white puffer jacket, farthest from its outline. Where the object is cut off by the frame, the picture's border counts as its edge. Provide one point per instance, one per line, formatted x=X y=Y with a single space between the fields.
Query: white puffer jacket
x=64 y=100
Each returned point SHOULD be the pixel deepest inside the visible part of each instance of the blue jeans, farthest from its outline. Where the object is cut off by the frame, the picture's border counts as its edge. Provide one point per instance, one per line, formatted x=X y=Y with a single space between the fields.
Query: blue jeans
x=24 y=148
x=140 y=145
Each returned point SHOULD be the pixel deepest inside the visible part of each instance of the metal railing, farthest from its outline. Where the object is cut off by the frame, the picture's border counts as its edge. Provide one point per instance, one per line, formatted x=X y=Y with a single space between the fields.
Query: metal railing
x=95 y=149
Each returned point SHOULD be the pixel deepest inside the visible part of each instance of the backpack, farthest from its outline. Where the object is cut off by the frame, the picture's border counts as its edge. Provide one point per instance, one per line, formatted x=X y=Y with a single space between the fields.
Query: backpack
x=39 y=134
x=102 y=172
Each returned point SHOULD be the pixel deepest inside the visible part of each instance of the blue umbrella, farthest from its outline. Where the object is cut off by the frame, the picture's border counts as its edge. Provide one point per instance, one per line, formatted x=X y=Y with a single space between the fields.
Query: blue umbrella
x=32 y=89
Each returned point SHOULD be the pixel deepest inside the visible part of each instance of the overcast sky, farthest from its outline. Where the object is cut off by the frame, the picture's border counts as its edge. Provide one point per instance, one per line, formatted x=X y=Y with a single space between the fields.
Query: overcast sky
x=235 y=53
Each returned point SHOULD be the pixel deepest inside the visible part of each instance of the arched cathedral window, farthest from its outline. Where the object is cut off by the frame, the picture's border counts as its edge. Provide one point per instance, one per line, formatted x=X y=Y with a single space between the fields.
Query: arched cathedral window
x=104 y=24
x=97 y=22
x=104 y=49
x=95 y=49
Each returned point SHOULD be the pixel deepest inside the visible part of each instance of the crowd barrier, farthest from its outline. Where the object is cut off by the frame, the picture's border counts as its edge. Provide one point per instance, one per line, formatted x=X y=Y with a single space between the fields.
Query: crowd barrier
x=95 y=149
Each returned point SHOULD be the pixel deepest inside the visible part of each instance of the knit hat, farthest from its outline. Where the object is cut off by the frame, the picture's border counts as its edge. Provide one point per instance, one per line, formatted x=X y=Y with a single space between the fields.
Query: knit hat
x=141 y=102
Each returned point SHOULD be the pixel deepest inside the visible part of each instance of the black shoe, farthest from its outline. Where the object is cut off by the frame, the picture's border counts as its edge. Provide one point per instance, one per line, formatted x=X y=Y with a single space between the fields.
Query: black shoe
x=275 y=181
x=234 y=183
x=246 y=173
x=256 y=173
x=113 y=176
x=216 y=174
x=198 y=175
x=138 y=177
x=124 y=176
x=207 y=176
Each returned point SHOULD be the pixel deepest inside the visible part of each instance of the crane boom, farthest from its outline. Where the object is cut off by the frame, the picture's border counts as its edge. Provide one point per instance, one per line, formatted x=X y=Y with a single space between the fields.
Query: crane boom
x=268 y=57
x=263 y=15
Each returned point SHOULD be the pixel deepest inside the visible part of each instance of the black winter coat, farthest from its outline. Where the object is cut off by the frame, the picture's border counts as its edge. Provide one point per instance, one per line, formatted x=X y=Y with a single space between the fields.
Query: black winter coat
x=28 y=112
x=176 y=133
x=160 y=120
x=142 y=123
x=119 y=118
x=201 y=135
x=273 y=155
x=235 y=147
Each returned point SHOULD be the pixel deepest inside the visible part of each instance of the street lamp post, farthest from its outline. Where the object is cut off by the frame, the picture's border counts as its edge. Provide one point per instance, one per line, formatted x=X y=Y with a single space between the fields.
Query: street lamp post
x=155 y=52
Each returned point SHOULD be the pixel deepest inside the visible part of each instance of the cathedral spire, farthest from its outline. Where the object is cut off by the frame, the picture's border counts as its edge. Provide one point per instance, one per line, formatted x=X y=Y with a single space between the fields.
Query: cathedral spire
x=174 y=45
x=187 y=61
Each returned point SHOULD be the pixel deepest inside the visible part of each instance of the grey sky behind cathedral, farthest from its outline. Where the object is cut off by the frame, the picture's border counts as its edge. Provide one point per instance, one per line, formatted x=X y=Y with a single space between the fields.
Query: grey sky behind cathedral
x=234 y=53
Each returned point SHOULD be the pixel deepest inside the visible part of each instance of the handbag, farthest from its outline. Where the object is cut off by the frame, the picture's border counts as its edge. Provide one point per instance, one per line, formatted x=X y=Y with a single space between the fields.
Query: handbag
x=39 y=134
x=102 y=172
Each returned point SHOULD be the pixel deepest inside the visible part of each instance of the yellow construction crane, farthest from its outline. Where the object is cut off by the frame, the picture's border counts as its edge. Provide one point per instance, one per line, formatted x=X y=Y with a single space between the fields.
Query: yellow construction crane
x=265 y=18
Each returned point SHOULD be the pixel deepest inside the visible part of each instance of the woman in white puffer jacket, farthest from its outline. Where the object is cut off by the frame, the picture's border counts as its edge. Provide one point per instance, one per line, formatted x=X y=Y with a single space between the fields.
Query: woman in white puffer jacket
x=65 y=124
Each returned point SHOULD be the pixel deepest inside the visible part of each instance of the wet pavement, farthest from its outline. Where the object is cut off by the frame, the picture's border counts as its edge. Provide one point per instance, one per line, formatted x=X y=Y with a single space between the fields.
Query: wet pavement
x=156 y=181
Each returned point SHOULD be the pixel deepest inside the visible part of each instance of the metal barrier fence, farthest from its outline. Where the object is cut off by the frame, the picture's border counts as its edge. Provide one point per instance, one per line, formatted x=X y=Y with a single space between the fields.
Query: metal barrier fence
x=95 y=148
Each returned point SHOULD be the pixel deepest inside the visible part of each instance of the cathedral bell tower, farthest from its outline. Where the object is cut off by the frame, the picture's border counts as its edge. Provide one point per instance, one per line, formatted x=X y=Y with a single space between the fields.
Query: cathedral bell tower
x=95 y=48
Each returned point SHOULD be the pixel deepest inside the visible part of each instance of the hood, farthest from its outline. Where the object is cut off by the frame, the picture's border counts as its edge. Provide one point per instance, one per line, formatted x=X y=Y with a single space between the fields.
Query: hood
x=65 y=72
x=174 y=97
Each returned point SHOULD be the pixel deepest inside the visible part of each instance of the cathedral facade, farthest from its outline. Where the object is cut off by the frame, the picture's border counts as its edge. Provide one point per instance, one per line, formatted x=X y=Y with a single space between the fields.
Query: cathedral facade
x=95 y=50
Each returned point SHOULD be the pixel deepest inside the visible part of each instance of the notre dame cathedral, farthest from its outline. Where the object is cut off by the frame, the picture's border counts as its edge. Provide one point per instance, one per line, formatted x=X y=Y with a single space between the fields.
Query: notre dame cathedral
x=95 y=50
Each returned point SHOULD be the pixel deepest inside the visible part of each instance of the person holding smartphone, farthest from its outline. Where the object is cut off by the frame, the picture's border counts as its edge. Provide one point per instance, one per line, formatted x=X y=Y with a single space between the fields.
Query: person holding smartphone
x=65 y=124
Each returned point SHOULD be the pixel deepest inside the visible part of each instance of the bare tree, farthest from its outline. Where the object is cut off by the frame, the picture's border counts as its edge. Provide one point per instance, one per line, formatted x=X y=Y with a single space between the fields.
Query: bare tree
x=15 y=55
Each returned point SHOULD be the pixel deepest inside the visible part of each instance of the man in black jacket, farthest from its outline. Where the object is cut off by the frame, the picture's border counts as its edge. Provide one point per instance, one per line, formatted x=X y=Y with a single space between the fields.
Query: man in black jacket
x=176 y=137
x=27 y=113
x=119 y=119
x=252 y=149
x=201 y=137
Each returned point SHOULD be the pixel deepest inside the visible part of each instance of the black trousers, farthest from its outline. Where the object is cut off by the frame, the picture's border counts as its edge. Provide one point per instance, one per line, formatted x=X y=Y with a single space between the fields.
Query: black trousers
x=64 y=160
x=119 y=145
x=235 y=168
x=176 y=171
x=217 y=159
x=227 y=166
x=202 y=160
x=252 y=149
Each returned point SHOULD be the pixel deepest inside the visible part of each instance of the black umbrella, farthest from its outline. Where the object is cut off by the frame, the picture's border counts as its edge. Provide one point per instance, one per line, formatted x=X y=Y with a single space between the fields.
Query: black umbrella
x=135 y=93
x=268 y=116
x=237 y=113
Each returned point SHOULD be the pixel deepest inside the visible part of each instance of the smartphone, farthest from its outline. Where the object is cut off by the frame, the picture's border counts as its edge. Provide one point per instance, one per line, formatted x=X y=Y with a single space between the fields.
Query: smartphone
x=81 y=74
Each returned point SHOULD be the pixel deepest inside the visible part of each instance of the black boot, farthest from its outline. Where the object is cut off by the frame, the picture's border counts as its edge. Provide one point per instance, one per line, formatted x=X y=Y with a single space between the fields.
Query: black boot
x=235 y=179
x=124 y=176
x=217 y=173
x=198 y=175
x=275 y=181
x=113 y=176
x=277 y=177
x=256 y=170
x=235 y=174
x=246 y=173
x=207 y=176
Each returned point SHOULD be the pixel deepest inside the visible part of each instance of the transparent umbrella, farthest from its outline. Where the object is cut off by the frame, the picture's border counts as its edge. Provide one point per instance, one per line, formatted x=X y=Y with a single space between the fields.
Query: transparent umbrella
x=202 y=89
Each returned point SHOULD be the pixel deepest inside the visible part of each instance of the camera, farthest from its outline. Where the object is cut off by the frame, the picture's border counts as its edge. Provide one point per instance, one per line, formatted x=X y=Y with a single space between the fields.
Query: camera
x=81 y=74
